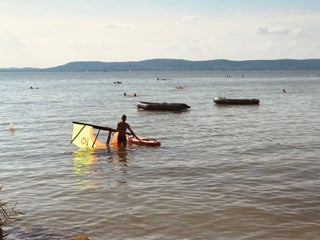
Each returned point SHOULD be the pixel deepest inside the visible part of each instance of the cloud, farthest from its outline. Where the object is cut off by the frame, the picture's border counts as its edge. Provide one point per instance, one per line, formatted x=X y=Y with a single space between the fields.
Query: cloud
x=266 y=30
x=297 y=32
x=190 y=18
x=111 y=25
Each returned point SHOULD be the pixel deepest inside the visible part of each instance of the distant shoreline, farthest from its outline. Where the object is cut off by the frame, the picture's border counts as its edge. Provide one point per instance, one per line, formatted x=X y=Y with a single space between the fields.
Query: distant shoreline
x=179 y=65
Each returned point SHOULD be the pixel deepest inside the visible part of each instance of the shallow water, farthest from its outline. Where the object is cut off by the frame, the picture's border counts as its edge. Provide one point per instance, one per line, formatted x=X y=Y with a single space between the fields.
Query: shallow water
x=222 y=172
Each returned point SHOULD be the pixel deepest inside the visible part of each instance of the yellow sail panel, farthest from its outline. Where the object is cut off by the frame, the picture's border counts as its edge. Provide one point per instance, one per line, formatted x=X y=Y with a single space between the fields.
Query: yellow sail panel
x=82 y=137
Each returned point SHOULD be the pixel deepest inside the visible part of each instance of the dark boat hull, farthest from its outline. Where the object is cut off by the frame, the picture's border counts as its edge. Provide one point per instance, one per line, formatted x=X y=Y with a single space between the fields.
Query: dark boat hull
x=233 y=101
x=162 y=106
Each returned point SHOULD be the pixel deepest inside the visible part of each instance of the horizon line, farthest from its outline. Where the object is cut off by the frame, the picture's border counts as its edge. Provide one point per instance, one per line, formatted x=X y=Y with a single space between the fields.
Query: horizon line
x=151 y=59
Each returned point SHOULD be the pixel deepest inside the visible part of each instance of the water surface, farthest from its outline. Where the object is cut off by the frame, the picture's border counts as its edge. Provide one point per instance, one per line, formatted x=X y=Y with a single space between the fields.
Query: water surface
x=222 y=172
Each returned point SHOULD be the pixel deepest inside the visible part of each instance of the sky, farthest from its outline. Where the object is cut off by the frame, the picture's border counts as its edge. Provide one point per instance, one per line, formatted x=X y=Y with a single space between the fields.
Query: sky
x=47 y=33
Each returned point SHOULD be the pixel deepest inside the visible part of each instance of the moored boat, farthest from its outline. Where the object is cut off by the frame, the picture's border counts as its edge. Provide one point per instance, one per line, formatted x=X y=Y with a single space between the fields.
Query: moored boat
x=236 y=101
x=162 y=106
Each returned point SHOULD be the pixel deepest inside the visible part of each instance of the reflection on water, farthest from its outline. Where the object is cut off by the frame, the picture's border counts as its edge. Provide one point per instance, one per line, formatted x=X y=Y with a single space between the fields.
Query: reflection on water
x=119 y=170
x=83 y=163
x=121 y=154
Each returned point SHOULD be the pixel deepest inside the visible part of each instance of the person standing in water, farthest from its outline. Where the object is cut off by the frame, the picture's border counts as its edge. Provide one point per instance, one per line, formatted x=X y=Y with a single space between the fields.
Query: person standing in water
x=122 y=127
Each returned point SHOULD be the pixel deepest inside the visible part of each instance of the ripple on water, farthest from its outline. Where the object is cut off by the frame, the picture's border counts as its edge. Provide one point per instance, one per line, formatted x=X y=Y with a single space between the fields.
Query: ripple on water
x=236 y=172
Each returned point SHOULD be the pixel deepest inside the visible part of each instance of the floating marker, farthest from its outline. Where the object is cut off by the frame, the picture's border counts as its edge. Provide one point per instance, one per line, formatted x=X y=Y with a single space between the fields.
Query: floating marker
x=11 y=127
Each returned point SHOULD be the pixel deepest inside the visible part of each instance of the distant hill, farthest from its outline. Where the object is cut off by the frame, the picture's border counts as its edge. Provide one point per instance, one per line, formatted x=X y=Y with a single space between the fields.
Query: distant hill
x=180 y=65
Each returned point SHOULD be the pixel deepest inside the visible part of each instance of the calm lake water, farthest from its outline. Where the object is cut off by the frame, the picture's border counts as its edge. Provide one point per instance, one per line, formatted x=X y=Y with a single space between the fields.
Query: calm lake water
x=222 y=172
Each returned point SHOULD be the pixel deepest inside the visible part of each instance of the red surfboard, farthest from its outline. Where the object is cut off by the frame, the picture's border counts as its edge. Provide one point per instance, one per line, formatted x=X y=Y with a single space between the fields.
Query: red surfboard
x=144 y=141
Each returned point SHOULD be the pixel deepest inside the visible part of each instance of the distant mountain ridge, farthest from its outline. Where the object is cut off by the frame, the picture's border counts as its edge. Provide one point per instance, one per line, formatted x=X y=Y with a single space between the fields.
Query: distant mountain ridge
x=180 y=65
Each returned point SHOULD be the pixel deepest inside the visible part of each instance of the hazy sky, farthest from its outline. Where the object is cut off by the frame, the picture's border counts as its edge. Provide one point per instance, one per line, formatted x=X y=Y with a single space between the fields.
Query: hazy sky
x=45 y=33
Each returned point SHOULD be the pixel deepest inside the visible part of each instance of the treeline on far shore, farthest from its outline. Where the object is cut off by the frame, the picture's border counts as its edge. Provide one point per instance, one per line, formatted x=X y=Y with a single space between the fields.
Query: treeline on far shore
x=179 y=65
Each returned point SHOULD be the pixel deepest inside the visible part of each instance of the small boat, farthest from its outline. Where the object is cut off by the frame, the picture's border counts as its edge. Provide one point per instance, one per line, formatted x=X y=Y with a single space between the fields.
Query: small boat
x=144 y=141
x=234 y=101
x=162 y=106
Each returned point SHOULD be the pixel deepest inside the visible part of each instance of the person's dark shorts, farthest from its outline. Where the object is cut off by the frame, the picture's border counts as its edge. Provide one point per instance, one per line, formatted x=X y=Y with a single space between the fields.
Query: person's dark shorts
x=122 y=140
